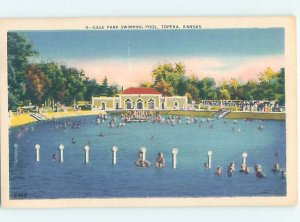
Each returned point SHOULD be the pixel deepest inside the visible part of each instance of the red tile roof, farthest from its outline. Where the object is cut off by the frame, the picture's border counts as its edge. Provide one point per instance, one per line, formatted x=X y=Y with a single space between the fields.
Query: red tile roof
x=140 y=90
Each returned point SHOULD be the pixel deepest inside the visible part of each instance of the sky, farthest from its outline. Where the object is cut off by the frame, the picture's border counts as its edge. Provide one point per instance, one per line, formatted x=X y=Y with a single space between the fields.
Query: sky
x=127 y=57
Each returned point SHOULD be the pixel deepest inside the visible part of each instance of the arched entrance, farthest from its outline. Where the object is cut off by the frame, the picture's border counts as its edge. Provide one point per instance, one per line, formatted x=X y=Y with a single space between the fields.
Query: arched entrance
x=103 y=106
x=151 y=103
x=128 y=103
x=176 y=105
x=139 y=104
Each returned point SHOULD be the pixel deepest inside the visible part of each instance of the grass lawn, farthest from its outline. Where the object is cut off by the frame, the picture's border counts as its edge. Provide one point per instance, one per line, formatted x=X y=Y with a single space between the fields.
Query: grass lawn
x=253 y=115
x=232 y=115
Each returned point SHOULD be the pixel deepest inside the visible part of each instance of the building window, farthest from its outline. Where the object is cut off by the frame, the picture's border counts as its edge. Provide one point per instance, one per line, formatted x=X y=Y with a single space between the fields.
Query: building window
x=128 y=103
x=151 y=103
x=103 y=106
x=175 y=105
x=139 y=104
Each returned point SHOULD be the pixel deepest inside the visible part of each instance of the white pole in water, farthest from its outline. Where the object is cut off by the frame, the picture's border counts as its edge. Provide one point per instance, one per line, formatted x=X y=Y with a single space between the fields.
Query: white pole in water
x=209 y=153
x=87 y=148
x=114 y=149
x=174 y=153
x=16 y=152
x=244 y=155
x=37 y=147
x=143 y=149
x=61 y=148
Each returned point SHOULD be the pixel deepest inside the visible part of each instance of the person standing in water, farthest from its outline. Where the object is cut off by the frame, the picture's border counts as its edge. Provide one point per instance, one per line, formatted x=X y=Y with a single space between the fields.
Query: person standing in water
x=141 y=162
x=231 y=169
x=160 y=161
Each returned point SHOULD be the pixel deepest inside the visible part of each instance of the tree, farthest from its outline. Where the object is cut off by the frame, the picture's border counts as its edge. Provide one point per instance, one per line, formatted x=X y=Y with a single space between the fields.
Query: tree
x=36 y=82
x=146 y=84
x=249 y=90
x=114 y=90
x=104 y=87
x=281 y=87
x=19 y=49
x=224 y=91
x=233 y=87
x=208 y=89
x=182 y=86
x=192 y=88
x=268 y=75
x=167 y=75
x=92 y=87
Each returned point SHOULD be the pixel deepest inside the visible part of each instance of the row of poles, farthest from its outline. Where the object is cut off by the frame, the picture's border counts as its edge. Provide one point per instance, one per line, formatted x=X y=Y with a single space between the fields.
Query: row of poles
x=114 y=156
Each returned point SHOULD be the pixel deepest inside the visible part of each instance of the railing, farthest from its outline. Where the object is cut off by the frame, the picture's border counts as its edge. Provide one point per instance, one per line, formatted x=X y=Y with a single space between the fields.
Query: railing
x=38 y=116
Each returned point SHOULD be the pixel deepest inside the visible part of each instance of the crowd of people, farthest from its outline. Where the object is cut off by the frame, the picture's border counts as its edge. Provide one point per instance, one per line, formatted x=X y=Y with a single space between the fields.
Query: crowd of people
x=160 y=160
x=161 y=163
x=244 y=105
x=137 y=115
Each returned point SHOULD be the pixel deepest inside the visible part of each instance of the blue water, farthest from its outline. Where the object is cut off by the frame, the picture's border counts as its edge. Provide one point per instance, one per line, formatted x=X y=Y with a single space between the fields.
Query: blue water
x=99 y=179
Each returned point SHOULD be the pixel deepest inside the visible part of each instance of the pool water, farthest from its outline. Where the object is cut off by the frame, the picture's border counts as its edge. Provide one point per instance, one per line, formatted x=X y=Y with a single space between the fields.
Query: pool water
x=74 y=178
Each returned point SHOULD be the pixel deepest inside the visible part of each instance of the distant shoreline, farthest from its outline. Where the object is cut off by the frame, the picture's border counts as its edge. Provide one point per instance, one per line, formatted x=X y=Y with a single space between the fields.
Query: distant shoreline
x=25 y=118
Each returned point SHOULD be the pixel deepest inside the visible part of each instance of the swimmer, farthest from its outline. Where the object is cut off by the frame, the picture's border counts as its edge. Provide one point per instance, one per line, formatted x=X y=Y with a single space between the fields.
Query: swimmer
x=231 y=169
x=248 y=170
x=54 y=157
x=73 y=140
x=261 y=127
x=219 y=171
x=276 y=168
x=140 y=162
x=259 y=172
x=160 y=161
x=101 y=134
x=230 y=172
x=206 y=165
x=243 y=167
x=98 y=121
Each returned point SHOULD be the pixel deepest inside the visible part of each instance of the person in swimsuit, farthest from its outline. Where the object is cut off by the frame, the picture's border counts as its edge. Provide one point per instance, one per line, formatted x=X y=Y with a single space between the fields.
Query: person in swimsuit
x=140 y=162
x=160 y=161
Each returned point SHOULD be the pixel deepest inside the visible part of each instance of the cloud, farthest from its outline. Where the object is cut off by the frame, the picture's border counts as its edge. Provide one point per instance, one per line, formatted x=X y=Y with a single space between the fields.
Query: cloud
x=130 y=73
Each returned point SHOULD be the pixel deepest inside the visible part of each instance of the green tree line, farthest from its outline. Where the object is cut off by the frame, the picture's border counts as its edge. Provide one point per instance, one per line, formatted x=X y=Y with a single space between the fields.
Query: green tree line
x=171 y=79
x=50 y=82
x=46 y=82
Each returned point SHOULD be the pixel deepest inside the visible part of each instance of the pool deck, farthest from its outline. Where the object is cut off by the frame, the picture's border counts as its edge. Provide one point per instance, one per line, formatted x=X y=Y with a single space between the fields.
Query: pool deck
x=25 y=118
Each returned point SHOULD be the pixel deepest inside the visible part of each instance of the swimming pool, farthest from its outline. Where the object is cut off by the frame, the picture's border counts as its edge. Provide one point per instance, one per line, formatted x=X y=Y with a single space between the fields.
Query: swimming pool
x=74 y=178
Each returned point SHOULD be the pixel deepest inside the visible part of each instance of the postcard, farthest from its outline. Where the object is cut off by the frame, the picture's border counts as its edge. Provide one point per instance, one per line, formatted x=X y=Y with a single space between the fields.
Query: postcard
x=148 y=112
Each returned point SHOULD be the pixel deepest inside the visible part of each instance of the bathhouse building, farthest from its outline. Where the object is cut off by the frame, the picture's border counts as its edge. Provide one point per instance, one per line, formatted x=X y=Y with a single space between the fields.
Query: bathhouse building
x=140 y=98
